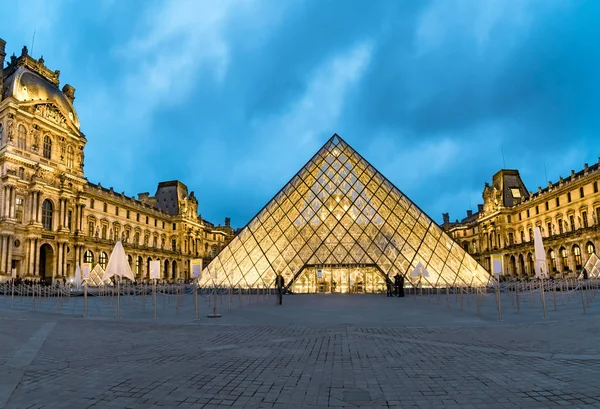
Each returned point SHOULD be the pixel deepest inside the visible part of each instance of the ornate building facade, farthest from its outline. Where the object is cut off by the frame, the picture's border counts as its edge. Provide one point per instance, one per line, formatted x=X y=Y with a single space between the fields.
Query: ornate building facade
x=567 y=212
x=52 y=218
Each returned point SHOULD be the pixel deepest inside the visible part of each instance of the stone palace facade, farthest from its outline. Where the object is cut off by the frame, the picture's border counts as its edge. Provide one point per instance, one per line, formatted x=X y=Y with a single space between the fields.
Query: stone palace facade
x=567 y=212
x=52 y=218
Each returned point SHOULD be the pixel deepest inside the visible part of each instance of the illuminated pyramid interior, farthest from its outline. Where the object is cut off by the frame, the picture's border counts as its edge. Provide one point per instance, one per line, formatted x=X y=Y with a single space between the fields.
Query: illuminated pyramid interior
x=341 y=226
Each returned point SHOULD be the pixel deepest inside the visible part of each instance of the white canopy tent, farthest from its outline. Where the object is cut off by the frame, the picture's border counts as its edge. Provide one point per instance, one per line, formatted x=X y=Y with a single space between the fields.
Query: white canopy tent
x=118 y=265
x=419 y=271
x=78 y=278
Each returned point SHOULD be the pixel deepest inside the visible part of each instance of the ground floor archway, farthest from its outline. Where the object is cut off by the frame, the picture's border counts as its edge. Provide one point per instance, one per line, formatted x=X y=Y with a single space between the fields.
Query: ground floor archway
x=343 y=279
x=46 y=262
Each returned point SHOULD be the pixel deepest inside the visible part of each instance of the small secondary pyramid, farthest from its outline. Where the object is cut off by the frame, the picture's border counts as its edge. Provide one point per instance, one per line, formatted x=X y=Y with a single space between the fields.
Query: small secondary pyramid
x=338 y=210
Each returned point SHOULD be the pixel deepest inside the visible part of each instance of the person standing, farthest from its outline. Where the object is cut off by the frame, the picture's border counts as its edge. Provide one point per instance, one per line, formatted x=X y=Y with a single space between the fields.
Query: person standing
x=397 y=285
x=388 y=285
x=279 y=281
x=401 y=286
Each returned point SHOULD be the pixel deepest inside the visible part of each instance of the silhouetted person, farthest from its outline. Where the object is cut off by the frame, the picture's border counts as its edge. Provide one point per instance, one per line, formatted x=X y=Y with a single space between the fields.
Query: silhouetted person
x=400 y=286
x=585 y=274
x=279 y=281
x=397 y=285
x=388 y=285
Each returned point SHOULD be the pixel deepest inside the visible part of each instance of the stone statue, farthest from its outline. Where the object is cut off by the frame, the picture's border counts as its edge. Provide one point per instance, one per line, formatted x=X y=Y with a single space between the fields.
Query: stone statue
x=10 y=131
x=34 y=138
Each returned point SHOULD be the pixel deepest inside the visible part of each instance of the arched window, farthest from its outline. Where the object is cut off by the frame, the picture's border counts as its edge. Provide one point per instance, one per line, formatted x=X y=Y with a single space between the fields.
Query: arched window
x=577 y=257
x=88 y=257
x=553 y=260
x=103 y=260
x=590 y=248
x=513 y=266
x=21 y=137
x=130 y=261
x=565 y=260
x=138 y=266
x=70 y=156
x=47 y=214
x=530 y=263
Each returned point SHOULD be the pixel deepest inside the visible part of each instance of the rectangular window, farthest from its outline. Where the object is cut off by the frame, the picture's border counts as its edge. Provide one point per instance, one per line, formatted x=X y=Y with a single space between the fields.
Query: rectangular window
x=116 y=210
x=568 y=197
x=547 y=207
x=163 y=224
x=174 y=226
x=510 y=239
x=147 y=219
x=581 y=191
x=174 y=244
x=584 y=219
x=19 y=209
x=91 y=203
x=520 y=217
x=527 y=212
x=537 y=209
x=105 y=207
x=572 y=221
x=549 y=229
x=128 y=213
x=522 y=236
x=69 y=216
x=557 y=201
x=91 y=229
x=595 y=187
x=137 y=217
x=155 y=222
x=597 y=215
x=507 y=219
x=560 y=227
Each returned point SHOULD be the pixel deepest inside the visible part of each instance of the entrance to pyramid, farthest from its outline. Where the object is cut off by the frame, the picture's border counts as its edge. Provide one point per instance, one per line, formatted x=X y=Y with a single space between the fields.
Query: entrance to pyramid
x=339 y=215
x=339 y=279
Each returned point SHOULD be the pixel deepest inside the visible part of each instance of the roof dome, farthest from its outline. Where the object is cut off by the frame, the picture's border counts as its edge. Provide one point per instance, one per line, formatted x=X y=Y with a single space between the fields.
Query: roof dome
x=27 y=86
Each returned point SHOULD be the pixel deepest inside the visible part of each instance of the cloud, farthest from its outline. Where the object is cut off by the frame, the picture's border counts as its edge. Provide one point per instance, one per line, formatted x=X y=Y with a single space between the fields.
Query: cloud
x=232 y=98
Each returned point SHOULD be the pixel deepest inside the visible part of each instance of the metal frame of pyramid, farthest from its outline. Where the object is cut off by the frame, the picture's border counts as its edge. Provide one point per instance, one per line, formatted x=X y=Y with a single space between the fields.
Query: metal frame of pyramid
x=338 y=210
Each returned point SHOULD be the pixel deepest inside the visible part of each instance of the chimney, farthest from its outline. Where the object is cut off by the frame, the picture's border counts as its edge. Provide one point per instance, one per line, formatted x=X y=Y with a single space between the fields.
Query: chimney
x=572 y=173
x=69 y=92
x=446 y=217
x=480 y=208
x=2 y=55
x=228 y=222
x=469 y=213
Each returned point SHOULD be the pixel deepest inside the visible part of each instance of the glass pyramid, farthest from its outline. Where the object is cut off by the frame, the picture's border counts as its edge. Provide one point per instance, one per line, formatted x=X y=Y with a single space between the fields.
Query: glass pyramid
x=338 y=211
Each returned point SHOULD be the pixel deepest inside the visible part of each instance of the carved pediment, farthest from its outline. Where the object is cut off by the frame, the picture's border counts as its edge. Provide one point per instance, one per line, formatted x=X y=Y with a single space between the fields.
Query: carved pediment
x=51 y=113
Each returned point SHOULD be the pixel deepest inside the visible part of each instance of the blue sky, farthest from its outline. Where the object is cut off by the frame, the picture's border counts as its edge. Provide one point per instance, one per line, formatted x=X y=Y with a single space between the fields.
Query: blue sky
x=232 y=98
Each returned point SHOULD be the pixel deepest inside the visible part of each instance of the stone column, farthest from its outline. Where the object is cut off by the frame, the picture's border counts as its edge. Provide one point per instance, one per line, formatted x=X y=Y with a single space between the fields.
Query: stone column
x=36 y=267
x=5 y=201
x=2 y=254
x=65 y=258
x=9 y=239
x=76 y=225
x=11 y=206
x=38 y=204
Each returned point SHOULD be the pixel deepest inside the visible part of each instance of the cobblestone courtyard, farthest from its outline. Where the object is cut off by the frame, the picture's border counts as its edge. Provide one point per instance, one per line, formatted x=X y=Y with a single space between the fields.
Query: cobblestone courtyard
x=312 y=352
